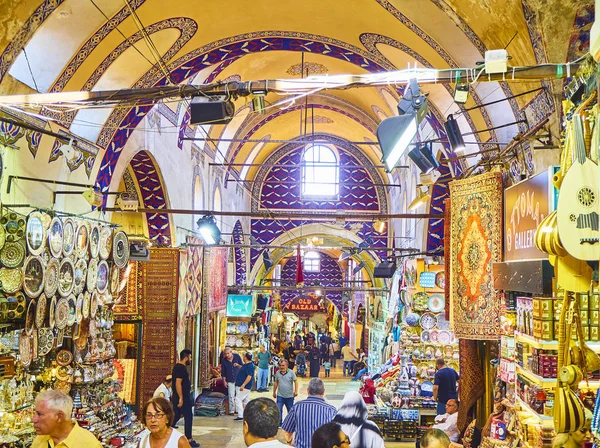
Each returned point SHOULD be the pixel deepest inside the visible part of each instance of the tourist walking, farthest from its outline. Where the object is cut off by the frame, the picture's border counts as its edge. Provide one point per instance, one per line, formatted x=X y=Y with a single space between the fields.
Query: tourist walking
x=232 y=363
x=264 y=358
x=314 y=358
x=183 y=403
x=349 y=359
x=157 y=416
x=285 y=387
x=352 y=416
x=330 y=435
x=243 y=385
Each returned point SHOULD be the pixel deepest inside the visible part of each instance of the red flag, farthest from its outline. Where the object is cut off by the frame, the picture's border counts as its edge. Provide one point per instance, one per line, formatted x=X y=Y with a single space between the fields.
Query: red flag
x=299 y=270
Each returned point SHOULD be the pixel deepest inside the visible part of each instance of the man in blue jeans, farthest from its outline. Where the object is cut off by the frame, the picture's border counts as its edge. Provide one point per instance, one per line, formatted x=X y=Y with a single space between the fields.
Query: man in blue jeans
x=264 y=358
x=285 y=387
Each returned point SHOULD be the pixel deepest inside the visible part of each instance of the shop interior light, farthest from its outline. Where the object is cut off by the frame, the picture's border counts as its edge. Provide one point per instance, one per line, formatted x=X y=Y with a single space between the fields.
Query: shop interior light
x=394 y=134
x=421 y=199
x=422 y=156
x=379 y=226
x=93 y=197
x=208 y=230
x=455 y=137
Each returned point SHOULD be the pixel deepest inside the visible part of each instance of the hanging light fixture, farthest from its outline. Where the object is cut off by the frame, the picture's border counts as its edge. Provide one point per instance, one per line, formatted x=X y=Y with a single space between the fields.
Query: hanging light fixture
x=422 y=156
x=93 y=197
x=379 y=226
x=394 y=134
x=358 y=268
x=461 y=93
x=455 y=137
x=422 y=198
x=208 y=230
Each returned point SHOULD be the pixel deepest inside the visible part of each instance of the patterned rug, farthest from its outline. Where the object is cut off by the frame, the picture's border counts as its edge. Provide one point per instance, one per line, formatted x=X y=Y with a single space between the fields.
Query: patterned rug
x=472 y=382
x=193 y=279
x=129 y=306
x=182 y=299
x=158 y=282
x=476 y=243
x=217 y=278
x=447 y=263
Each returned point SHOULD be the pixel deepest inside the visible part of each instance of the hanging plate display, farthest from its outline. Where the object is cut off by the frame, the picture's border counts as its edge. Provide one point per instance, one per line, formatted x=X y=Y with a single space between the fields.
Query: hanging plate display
x=79 y=308
x=440 y=279
x=51 y=277
x=453 y=365
x=2 y=236
x=120 y=249
x=94 y=304
x=30 y=319
x=14 y=226
x=45 y=341
x=435 y=336
x=51 y=311
x=94 y=241
x=25 y=350
x=11 y=280
x=442 y=323
x=80 y=278
x=36 y=233
x=12 y=254
x=64 y=358
x=55 y=237
x=444 y=337
x=412 y=319
x=115 y=279
x=428 y=321
x=427 y=279
x=85 y=307
x=105 y=243
x=66 y=274
x=436 y=303
x=62 y=313
x=40 y=311
x=68 y=236
x=72 y=302
x=92 y=275
x=420 y=300
x=33 y=276
x=63 y=386
x=425 y=337
x=16 y=306
x=102 y=277
x=82 y=240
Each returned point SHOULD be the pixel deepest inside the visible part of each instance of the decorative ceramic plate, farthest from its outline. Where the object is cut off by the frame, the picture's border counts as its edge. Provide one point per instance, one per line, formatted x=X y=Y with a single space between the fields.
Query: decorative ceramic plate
x=25 y=350
x=440 y=279
x=11 y=280
x=14 y=226
x=427 y=279
x=36 y=233
x=82 y=240
x=66 y=275
x=92 y=275
x=94 y=304
x=94 y=241
x=420 y=300
x=435 y=335
x=16 y=305
x=51 y=312
x=33 y=276
x=85 y=307
x=79 y=308
x=243 y=327
x=72 y=302
x=55 y=237
x=120 y=249
x=79 y=281
x=436 y=303
x=45 y=341
x=115 y=280
x=105 y=243
x=102 y=277
x=442 y=323
x=62 y=313
x=63 y=386
x=2 y=236
x=444 y=337
x=64 y=358
x=428 y=321
x=40 y=311
x=51 y=280
x=412 y=319
x=68 y=236
x=30 y=319
x=12 y=254
x=62 y=373
x=425 y=337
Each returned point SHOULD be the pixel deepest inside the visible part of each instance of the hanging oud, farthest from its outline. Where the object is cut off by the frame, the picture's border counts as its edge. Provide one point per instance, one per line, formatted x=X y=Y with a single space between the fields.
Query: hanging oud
x=578 y=206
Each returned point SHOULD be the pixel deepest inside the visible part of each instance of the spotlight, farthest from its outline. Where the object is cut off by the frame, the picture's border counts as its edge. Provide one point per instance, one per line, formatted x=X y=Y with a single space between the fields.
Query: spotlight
x=394 y=134
x=454 y=135
x=208 y=230
x=71 y=154
x=211 y=110
x=379 y=226
x=421 y=199
x=127 y=202
x=385 y=269
x=258 y=103
x=346 y=255
x=93 y=197
x=422 y=156
x=461 y=94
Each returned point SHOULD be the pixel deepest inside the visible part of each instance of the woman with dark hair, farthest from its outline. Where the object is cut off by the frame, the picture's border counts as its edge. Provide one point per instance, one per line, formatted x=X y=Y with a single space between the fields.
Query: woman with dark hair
x=352 y=417
x=330 y=435
x=314 y=357
x=157 y=416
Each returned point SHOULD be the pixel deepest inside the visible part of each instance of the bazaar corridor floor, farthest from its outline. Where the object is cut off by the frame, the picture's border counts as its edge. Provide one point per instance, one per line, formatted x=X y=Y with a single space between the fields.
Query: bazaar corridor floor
x=224 y=431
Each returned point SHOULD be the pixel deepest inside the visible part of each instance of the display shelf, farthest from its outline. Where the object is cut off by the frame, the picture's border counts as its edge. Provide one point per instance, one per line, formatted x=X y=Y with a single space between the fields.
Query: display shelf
x=547 y=422
x=551 y=382
x=549 y=345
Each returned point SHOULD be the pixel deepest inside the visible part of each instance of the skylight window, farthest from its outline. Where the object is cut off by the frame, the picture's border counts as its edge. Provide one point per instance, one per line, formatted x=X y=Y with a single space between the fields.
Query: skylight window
x=320 y=172
x=312 y=261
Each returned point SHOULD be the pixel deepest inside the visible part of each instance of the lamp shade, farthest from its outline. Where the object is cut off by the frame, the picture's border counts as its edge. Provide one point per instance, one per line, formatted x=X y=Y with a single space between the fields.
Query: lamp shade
x=454 y=135
x=394 y=134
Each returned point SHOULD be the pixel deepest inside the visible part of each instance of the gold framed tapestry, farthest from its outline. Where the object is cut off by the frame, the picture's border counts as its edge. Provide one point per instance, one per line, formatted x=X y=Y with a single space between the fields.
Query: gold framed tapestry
x=476 y=243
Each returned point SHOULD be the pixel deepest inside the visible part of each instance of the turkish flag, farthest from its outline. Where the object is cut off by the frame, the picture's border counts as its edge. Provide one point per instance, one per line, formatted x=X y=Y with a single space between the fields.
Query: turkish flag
x=299 y=270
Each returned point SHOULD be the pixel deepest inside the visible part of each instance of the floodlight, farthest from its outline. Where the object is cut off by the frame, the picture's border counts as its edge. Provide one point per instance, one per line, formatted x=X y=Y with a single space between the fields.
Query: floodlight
x=454 y=135
x=344 y=256
x=422 y=198
x=422 y=156
x=208 y=230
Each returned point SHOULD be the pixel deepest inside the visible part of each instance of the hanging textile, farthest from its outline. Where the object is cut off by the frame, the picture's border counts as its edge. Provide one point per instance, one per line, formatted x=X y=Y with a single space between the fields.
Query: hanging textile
x=472 y=381
x=129 y=303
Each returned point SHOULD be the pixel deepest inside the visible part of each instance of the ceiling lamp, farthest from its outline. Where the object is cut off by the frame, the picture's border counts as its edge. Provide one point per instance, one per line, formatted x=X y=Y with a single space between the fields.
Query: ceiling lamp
x=70 y=153
x=208 y=230
x=454 y=135
x=422 y=156
x=395 y=133
x=461 y=94
x=422 y=198
x=379 y=226
x=93 y=197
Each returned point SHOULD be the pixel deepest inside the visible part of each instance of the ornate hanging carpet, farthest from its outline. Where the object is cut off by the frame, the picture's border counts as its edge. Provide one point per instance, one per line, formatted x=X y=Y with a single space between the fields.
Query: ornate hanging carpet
x=129 y=302
x=476 y=243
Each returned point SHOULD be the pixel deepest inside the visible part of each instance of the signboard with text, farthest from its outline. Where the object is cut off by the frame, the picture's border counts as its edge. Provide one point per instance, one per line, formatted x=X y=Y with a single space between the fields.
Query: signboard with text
x=526 y=204
x=306 y=304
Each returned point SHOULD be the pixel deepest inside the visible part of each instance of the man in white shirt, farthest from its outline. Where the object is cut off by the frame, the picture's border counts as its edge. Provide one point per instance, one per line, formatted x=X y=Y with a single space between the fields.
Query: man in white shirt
x=447 y=422
x=164 y=390
x=261 y=423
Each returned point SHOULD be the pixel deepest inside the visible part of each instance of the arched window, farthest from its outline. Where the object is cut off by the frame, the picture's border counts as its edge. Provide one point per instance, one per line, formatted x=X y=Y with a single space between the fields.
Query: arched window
x=320 y=172
x=312 y=261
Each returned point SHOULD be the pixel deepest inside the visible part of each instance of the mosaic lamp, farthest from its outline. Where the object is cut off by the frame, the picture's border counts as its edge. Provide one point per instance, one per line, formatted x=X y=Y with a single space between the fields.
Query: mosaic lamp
x=208 y=230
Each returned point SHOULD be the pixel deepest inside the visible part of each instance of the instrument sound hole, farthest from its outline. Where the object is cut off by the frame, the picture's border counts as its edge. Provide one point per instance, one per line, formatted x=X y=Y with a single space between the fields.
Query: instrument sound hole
x=586 y=196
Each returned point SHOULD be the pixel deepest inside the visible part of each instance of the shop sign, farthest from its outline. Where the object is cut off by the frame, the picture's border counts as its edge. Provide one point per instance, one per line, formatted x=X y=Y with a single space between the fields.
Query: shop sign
x=240 y=305
x=308 y=304
x=526 y=204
